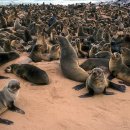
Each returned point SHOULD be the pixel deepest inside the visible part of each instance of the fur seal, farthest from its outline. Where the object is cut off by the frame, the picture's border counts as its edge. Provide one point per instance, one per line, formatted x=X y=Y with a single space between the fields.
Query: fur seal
x=69 y=62
x=93 y=51
x=55 y=52
x=37 y=53
x=82 y=53
x=103 y=54
x=15 y=44
x=7 y=99
x=106 y=47
x=53 y=55
x=27 y=36
x=125 y=53
x=7 y=46
x=48 y=31
x=29 y=72
x=118 y=68
x=3 y=21
x=73 y=43
x=99 y=35
x=92 y=63
x=97 y=83
x=8 y=56
x=17 y=25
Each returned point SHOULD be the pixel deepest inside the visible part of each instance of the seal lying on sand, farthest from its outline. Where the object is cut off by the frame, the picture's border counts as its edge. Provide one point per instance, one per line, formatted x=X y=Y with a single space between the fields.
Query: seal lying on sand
x=69 y=62
x=29 y=72
x=7 y=99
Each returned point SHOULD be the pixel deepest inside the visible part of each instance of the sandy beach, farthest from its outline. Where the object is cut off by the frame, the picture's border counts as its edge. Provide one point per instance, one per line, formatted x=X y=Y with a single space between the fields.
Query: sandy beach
x=57 y=105
x=48 y=34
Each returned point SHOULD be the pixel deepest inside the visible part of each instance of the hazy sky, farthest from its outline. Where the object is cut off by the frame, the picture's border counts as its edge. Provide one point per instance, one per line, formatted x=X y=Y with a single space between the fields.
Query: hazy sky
x=49 y=1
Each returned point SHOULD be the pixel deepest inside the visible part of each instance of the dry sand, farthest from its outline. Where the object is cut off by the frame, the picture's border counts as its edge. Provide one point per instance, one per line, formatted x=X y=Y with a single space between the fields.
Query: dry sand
x=57 y=106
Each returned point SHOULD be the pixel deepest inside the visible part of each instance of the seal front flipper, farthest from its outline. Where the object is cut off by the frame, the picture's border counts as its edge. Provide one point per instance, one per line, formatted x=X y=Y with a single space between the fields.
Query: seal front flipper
x=107 y=93
x=89 y=94
x=118 y=87
x=79 y=87
x=111 y=76
x=13 y=108
x=6 y=122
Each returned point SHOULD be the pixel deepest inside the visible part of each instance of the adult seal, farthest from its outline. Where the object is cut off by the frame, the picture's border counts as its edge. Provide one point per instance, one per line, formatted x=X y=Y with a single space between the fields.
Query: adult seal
x=69 y=62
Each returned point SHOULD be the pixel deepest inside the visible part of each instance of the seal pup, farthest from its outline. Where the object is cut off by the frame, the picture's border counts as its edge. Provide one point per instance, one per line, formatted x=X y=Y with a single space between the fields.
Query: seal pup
x=7 y=99
x=53 y=55
x=93 y=51
x=69 y=62
x=5 y=57
x=118 y=69
x=29 y=72
x=37 y=53
x=55 y=52
x=97 y=83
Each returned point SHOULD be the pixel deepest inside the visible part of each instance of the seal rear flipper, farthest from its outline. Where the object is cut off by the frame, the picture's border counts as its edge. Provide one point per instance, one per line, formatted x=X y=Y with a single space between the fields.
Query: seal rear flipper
x=6 y=122
x=79 y=87
x=118 y=87
x=3 y=77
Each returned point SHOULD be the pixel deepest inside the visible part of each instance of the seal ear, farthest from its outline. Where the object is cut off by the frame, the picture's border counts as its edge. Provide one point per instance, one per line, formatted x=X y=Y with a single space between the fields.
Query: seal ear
x=8 y=69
